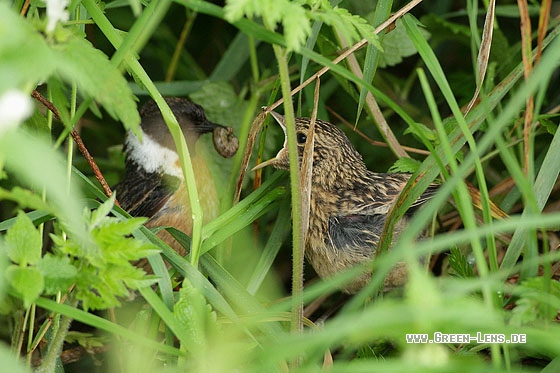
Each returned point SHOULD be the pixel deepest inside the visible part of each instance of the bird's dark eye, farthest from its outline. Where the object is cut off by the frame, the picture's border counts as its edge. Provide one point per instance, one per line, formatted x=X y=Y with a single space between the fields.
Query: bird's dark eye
x=301 y=138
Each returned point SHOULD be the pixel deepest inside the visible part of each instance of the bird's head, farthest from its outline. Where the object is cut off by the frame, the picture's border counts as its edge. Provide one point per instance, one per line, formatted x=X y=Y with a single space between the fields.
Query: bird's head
x=156 y=151
x=333 y=154
x=190 y=116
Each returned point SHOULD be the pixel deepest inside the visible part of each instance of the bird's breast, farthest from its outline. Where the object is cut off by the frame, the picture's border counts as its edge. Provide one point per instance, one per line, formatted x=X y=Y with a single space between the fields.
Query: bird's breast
x=177 y=212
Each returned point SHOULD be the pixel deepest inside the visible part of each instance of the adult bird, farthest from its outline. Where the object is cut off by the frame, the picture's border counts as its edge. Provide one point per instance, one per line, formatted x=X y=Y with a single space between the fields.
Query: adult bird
x=153 y=185
x=348 y=203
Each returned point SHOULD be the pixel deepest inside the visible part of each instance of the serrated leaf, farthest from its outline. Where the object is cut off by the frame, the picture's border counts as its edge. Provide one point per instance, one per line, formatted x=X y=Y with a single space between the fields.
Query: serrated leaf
x=362 y=28
x=220 y=102
x=25 y=198
x=444 y=30
x=24 y=47
x=404 y=164
x=460 y=264
x=397 y=45
x=550 y=126
x=27 y=282
x=106 y=272
x=195 y=315
x=23 y=241
x=536 y=300
x=86 y=340
x=58 y=272
x=79 y=62
x=296 y=26
x=99 y=214
x=421 y=131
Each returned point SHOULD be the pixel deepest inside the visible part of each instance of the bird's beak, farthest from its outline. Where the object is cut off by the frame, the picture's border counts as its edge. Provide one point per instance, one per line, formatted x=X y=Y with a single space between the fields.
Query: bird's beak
x=271 y=162
x=205 y=127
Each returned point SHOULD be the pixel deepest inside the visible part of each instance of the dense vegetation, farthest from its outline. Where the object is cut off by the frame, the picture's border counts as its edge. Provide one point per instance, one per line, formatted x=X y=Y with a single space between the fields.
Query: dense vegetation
x=465 y=93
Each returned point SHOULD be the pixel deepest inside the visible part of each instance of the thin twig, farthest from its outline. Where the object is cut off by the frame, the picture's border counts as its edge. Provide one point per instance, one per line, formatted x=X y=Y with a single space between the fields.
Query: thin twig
x=78 y=140
x=374 y=108
x=369 y=140
x=25 y=7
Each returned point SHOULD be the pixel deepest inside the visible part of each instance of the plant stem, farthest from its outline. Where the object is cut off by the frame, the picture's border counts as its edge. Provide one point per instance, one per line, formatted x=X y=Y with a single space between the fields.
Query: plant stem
x=297 y=233
x=55 y=347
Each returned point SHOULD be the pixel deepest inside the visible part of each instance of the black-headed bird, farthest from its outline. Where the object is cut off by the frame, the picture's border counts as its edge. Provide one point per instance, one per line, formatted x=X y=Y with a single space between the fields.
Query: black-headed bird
x=154 y=186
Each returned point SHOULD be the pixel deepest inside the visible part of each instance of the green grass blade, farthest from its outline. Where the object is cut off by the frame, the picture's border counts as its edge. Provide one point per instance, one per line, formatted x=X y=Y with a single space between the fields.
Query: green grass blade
x=101 y=323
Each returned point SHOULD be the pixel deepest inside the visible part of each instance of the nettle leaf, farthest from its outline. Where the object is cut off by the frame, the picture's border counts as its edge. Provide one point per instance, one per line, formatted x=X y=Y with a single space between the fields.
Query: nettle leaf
x=116 y=247
x=70 y=247
x=356 y=27
x=421 y=131
x=297 y=26
x=195 y=315
x=25 y=199
x=397 y=45
x=106 y=272
x=27 y=282
x=24 y=47
x=99 y=214
x=547 y=121
x=291 y=15
x=536 y=300
x=23 y=241
x=58 y=272
x=79 y=62
x=404 y=164
x=92 y=291
x=220 y=102
x=444 y=30
x=86 y=340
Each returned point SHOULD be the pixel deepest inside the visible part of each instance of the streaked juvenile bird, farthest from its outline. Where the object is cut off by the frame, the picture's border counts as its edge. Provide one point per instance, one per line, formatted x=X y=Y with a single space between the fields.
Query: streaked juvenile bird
x=348 y=203
x=153 y=185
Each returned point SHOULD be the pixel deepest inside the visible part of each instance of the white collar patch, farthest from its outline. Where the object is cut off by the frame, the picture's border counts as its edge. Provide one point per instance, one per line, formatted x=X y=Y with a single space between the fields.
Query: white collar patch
x=152 y=156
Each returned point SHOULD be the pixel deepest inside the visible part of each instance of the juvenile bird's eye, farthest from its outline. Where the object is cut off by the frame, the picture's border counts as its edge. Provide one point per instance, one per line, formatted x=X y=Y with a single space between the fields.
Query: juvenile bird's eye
x=301 y=138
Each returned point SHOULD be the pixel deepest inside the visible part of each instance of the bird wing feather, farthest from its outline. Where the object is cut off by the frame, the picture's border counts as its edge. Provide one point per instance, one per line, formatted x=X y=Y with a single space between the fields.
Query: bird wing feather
x=356 y=231
x=377 y=193
x=144 y=194
x=362 y=210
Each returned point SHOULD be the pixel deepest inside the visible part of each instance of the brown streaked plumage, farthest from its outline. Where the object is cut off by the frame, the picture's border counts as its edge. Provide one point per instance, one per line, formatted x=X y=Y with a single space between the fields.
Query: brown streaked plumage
x=349 y=203
x=153 y=185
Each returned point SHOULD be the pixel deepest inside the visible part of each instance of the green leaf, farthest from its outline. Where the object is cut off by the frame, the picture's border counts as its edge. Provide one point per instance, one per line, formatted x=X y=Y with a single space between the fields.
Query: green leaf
x=99 y=214
x=220 y=102
x=460 y=264
x=79 y=62
x=27 y=282
x=25 y=198
x=26 y=58
x=408 y=165
x=86 y=340
x=397 y=45
x=539 y=298
x=195 y=316
x=58 y=272
x=297 y=26
x=443 y=30
x=421 y=131
x=24 y=241
x=106 y=272
x=10 y=363
x=547 y=122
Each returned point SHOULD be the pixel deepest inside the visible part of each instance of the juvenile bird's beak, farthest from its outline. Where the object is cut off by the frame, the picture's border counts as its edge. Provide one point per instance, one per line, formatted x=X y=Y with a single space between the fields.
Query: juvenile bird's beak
x=273 y=162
